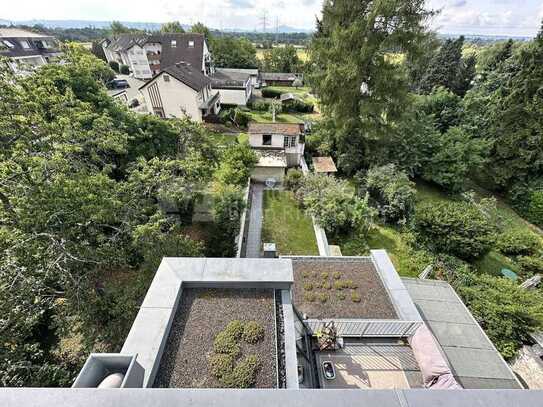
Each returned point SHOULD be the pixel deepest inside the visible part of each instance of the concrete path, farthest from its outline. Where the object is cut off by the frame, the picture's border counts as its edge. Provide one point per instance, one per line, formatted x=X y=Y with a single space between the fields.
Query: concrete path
x=254 y=234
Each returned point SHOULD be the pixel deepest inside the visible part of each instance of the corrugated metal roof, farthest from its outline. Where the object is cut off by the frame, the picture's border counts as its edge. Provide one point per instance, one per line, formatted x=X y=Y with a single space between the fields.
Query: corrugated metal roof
x=474 y=360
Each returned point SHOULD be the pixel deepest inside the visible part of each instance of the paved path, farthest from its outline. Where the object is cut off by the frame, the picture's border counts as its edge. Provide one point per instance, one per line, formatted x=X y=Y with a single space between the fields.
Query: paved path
x=254 y=234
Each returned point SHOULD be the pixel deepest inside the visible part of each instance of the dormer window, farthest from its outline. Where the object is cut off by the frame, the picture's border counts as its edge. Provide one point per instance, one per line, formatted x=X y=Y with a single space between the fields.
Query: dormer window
x=25 y=44
x=174 y=43
x=191 y=44
x=8 y=44
x=166 y=78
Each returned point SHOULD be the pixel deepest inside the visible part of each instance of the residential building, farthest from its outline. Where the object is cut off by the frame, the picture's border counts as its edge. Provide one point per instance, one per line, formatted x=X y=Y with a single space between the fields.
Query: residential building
x=279 y=78
x=27 y=49
x=279 y=146
x=146 y=55
x=366 y=352
x=181 y=90
x=253 y=73
x=235 y=86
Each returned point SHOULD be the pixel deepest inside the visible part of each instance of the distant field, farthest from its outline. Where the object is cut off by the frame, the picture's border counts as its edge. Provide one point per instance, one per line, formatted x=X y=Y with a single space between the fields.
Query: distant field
x=302 y=54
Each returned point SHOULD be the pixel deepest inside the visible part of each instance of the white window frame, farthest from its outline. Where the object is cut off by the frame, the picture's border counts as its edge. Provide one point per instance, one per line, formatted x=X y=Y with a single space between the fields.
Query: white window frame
x=173 y=44
x=191 y=44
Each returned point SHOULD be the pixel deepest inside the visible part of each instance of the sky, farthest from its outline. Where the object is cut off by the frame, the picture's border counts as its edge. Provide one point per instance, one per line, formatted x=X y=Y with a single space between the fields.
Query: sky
x=493 y=17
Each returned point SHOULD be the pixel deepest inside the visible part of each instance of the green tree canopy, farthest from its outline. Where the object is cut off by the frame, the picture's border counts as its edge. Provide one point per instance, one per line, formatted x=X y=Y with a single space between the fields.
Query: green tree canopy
x=231 y=52
x=360 y=87
x=172 y=27
x=281 y=59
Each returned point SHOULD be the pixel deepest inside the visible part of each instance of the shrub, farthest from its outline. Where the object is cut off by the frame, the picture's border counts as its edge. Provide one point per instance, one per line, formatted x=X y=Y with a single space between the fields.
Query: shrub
x=516 y=242
x=341 y=296
x=355 y=297
x=114 y=65
x=455 y=228
x=393 y=192
x=506 y=312
x=310 y=297
x=243 y=375
x=535 y=207
x=253 y=332
x=293 y=179
x=337 y=275
x=236 y=163
x=297 y=106
x=323 y=297
x=271 y=93
x=334 y=205
x=221 y=364
x=124 y=70
x=227 y=341
x=530 y=265
x=260 y=106
x=308 y=286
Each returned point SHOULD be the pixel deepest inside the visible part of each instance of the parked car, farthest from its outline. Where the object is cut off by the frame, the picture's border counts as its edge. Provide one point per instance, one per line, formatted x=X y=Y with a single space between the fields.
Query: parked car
x=118 y=84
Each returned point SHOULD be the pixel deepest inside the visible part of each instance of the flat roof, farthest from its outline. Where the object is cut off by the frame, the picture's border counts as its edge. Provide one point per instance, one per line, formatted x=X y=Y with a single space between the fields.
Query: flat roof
x=324 y=164
x=340 y=288
x=201 y=315
x=474 y=361
x=271 y=158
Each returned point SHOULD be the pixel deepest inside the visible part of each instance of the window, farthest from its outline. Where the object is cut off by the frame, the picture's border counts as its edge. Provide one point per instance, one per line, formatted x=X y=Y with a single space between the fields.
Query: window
x=8 y=44
x=289 y=141
x=166 y=78
x=25 y=44
x=266 y=139
x=174 y=43
x=191 y=44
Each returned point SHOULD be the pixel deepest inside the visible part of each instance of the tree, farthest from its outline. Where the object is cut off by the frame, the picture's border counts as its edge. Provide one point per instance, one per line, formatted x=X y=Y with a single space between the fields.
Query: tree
x=506 y=312
x=230 y=52
x=275 y=107
x=505 y=109
x=172 y=27
x=393 y=192
x=81 y=198
x=349 y=49
x=334 y=205
x=236 y=164
x=200 y=28
x=117 y=28
x=281 y=59
x=456 y=228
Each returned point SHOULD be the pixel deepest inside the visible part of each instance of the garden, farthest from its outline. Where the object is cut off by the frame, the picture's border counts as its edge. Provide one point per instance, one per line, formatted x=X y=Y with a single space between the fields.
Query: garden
x=286 y=225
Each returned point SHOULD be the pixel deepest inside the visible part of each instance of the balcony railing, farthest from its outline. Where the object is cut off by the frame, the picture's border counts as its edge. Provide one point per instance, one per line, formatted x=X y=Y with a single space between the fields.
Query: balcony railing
x=367 y=328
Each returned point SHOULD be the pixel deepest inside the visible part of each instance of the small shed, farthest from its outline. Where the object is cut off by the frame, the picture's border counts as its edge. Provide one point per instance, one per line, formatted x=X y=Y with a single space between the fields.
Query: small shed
x=324 y=165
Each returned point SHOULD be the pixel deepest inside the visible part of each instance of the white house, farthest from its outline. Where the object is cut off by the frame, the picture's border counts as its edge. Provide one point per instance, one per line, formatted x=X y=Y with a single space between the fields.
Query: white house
x=181 y=90
x=279 y=146
x=146 y=55
x=235 y=86
x=26 y=49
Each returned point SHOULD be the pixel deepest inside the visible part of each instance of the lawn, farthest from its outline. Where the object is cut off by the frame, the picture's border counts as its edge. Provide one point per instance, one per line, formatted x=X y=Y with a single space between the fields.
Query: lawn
x=302 y=54
x=410 y=261
x=266 y=117
x=223 y=140
x=287 y=226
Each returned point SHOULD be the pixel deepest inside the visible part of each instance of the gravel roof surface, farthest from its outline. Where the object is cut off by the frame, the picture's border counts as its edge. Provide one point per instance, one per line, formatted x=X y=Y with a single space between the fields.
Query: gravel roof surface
x=374 y=299
x=202 y=314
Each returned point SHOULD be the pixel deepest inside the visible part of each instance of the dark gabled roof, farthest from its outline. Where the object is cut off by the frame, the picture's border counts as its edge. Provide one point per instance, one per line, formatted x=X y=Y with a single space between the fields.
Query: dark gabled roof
x=14 y=36
x=222 y=79
x=182 y=52
x=186 y=74
x=123 y=42
x=169 y=55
